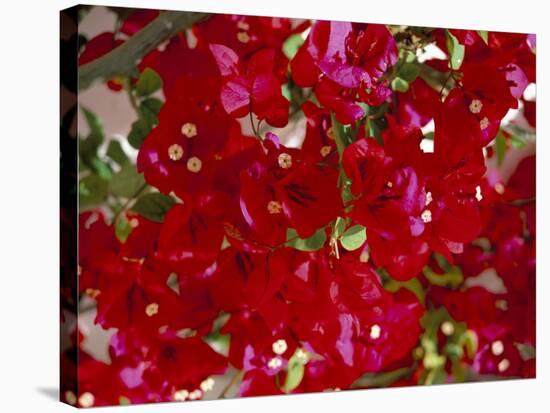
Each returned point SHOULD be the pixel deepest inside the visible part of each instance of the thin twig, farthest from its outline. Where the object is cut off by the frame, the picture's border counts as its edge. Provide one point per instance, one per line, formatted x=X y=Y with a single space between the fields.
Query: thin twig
x=122 y=60
x=238 y=376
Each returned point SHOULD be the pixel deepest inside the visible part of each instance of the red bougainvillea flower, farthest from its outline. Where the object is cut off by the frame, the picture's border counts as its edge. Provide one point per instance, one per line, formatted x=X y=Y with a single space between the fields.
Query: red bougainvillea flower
x=137 y=20
x=169 y=366
x=97 y=247
x=105 y=42
x=470 y=116
x=253 y=88
x=125 y=279
x=247 y=35
x=187 y=363
x=244 y=34
x=344 y=62
x=242 y=281
x=192 y=233
x=452 y=214
x=181 y=154
x=281 y=190
x=361 y=325
x=99 y=384
x=98 y=46
x=500 y=49
x=319 y=141
x=417 y=106
x=167 y=63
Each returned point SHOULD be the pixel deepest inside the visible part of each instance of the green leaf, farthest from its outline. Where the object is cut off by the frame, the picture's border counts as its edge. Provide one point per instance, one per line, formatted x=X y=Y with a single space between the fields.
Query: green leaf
x=94 y=124
x=456 y=51
x=436 y=376
x=153 y=206
x=116 y=153
x=339 y=136
x=354 y=237
x=413 y=285
x=101 y=168
x=313 y=243
x=399 y=85
x=469 y=340
x=88 y=147
x=124 y=401
x=381 y=379
x=295 y=372
x=409 y=72
x=453 y=278
x=484 y=34
x=517 y=142
x=140 y=130
x=286 y=92
x=291 y=45
x=127 y=182
x=122 y=228
x=150 y=109
x=149 y=82
x=500 y=147
x=407 y=56
x=92 y=190
x=339 y=227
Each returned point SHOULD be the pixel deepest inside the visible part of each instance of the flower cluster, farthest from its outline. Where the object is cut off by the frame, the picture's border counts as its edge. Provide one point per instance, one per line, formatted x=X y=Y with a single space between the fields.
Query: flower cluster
x=373 y=254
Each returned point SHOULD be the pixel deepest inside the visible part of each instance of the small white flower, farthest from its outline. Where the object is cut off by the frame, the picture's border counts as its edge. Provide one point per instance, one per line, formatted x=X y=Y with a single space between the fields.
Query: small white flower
x=475 y=106
x=426 y=216
x=375 y=331
x=284 y=160
x=275 y=363
x=279 y=347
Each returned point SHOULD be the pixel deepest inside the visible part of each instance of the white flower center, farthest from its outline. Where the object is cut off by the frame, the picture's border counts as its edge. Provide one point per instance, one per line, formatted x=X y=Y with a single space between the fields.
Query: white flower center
x=476 y=106
x=243 y=37
x=375 y=331
x=195 y=394
x=243 y=25
x=447 y=328
x=279 y=347
x=497 y=347
x=479 y=197
x=86 y=399
x=181 y=395
x=499 y=188
x=207 y=385
x=429 y=198
x=426 y=216
x=175 y=152
x=152 y=309
x=70 y=397
x=484 y=123
x=284 y=160
x=274 y=207
x=194 y=164
x=275 y=363
x=189 y=130
x=364 y=257
x=325 y=150
x=503 y=365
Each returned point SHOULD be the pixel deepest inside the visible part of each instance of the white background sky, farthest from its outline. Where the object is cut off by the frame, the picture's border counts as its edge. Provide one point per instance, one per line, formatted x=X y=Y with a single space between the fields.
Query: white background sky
x=29 y=246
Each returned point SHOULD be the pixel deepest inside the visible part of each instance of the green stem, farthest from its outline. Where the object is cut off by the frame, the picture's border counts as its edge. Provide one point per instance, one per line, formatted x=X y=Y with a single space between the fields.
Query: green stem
x=129 y=201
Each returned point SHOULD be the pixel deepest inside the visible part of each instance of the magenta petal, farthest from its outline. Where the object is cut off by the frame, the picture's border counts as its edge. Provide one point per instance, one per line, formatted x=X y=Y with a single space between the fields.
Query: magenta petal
x=226 y=59
x=235 y=97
